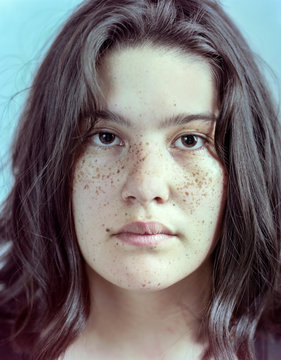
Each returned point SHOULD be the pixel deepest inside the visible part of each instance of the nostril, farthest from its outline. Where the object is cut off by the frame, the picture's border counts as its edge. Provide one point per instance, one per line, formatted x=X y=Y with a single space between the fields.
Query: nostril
x=159 y=200
x=130 y=197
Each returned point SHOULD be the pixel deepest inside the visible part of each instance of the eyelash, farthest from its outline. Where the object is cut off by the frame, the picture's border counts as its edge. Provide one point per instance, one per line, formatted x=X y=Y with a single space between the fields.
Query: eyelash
x=198 y=138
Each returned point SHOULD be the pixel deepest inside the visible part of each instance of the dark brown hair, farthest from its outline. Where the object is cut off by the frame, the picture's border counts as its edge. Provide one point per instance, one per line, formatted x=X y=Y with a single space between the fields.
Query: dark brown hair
x=44 y=297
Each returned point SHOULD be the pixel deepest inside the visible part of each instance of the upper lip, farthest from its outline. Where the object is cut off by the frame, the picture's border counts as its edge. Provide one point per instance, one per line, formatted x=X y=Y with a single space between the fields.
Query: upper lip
x=145 y=228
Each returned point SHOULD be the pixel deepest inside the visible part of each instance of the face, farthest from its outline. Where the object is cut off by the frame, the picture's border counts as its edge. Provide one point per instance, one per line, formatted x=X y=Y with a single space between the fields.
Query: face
x=148 y=189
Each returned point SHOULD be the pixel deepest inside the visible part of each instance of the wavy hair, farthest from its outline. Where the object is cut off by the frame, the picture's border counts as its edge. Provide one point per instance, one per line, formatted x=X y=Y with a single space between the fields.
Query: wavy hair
x=45 y=298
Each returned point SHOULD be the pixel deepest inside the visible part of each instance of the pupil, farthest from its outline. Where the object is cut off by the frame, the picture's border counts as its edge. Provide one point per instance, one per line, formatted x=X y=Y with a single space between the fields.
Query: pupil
x=189 y=140
x=106 y=138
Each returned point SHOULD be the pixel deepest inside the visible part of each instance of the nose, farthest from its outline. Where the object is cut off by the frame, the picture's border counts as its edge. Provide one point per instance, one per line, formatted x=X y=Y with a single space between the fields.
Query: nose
x=148 y=180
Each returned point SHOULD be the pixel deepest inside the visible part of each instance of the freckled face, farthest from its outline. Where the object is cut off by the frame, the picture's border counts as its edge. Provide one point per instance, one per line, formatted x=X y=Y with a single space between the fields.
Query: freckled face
x=148 y=167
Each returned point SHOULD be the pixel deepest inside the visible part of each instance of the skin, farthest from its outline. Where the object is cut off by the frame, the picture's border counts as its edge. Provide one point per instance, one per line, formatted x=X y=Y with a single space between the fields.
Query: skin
x=148 y=302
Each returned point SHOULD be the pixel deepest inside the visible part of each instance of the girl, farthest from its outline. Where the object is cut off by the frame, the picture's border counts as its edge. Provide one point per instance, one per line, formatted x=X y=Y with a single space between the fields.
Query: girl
x=144 y=220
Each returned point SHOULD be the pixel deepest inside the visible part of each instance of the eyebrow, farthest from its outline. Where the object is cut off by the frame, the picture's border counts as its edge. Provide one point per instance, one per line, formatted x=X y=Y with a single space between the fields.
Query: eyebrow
x=174 y=120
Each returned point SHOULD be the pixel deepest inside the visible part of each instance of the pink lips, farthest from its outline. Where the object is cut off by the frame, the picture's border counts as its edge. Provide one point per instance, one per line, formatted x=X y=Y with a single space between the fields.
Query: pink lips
x=144 y=233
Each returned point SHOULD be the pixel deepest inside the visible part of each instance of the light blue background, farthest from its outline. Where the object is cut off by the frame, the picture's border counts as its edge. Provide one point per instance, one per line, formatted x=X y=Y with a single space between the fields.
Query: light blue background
x=27 y=27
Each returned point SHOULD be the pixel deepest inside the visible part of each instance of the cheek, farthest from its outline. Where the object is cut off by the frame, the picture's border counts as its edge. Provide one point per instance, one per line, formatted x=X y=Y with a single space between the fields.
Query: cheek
x=202 y=183
x=202 y=198
x=94 y=192
x=95 y=179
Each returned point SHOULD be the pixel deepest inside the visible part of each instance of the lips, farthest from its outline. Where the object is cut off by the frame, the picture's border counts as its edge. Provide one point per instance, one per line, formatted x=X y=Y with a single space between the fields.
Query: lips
x=144 y=233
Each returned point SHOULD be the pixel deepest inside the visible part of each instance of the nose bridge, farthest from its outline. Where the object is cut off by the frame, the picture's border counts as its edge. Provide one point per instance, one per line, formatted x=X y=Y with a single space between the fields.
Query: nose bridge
x=147 y=160
x=146 y=180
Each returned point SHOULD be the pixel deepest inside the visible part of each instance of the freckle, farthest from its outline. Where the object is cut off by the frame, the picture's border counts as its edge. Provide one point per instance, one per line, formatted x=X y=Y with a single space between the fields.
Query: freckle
x=175 y=104
x=186 y=193
x=158 y=284
x=126 y=214
x=107 y=230
x=86 y=187
x=143 y=285
x=103 y=225
x=118 y=171
x=147 y=143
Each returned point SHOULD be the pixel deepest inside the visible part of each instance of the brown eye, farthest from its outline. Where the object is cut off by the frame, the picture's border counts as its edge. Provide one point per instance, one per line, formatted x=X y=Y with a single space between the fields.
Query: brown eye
x=190 y=141
x=106 y=138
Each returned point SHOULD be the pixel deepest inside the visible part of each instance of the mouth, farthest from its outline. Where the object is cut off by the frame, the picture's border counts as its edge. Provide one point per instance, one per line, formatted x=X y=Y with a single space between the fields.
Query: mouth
x=144 y=234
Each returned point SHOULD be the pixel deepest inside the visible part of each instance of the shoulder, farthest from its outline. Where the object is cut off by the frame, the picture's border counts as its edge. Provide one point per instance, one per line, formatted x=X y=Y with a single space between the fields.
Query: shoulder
x=6 y=348
x=7 y=353
x=268 y=347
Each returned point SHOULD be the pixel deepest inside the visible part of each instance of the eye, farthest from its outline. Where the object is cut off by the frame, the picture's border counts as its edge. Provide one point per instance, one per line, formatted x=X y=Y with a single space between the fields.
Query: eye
x=189 y=141
x=106 y=139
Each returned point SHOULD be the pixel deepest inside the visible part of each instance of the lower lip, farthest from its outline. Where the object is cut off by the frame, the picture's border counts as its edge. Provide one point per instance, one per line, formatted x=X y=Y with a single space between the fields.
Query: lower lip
x=143 y=240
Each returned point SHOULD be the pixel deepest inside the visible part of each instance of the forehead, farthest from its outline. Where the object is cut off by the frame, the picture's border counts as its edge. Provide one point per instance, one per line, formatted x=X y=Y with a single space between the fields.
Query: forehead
x=152 y=82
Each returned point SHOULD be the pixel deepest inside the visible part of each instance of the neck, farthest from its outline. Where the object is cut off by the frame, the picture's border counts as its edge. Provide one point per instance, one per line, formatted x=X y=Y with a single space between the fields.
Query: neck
x=151 y=323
